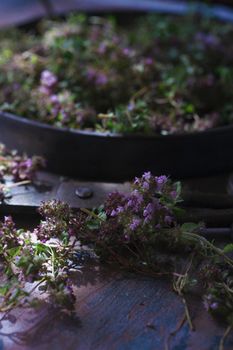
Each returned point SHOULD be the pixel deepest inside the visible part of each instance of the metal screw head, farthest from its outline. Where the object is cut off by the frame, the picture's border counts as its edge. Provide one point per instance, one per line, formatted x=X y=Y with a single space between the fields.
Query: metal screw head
x=84 y=192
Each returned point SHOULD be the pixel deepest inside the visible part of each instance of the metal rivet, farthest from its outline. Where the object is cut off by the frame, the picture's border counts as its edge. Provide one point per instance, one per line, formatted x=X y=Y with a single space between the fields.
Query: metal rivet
x=84 y=192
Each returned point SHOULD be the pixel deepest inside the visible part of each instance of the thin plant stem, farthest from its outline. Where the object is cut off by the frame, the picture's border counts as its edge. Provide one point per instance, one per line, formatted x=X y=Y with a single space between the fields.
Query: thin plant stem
x=16 y=184
x=218 y=251
x=180 y=325
x=91 y=213
x=178 y=286
x=222 y=341
x=187 y=313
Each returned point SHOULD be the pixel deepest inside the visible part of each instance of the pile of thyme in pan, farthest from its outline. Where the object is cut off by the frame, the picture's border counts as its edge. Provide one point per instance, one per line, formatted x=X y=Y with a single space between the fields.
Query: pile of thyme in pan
x=137 y=232
x=155 y=74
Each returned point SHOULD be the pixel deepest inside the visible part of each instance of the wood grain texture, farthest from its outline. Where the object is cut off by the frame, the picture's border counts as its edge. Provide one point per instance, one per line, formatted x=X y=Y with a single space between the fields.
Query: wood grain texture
x=117 y=312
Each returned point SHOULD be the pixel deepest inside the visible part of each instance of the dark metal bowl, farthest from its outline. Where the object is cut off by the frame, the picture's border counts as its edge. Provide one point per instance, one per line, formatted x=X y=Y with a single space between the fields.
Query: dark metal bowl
x=111 y=157
x=92 y=155
x=19 y=12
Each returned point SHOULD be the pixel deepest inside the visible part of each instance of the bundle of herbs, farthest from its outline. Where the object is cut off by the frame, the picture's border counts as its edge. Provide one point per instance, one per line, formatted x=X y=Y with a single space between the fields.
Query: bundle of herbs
x=16 y=170
x=157 y=75
x=137 y=232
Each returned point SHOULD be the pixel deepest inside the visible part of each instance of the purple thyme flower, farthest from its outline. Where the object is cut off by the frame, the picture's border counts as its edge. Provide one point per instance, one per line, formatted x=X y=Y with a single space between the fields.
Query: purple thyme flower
x=134 y=201
x=102 y=48
x=145 y=185
x=54 y=112
x=119 y=210
x=207 y=39
x=128 y=52
x=214 y=306
x=136 y=181
x=135 y=224
x=44 y=90
x=161 y=180
x=149 y=61
x=209 y=304
x=148 y=212
x=71 y=232
x=130 y=108
x=114 y=200
x=147 y=176
x=25 y=169
x=101 y=79
x=173 y=194
x=54 y=99
x=48 y=79
x=141 y=207
x=168 y=220
x=8 y=221
x=91 y=73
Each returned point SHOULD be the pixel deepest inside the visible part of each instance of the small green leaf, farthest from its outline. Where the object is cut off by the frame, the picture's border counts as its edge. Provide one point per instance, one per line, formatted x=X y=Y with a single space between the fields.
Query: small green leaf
x=102 y=215
x=4 y=289
x=228 y=248
x=189 y=227
x=178 y=188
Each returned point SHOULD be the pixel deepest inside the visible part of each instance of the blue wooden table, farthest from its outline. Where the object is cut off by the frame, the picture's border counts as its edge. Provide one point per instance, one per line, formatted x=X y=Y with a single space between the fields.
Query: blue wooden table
x=117 y=312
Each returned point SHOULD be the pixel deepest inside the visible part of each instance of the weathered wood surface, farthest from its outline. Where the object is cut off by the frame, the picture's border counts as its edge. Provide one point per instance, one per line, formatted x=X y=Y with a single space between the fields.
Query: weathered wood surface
x=117 y=312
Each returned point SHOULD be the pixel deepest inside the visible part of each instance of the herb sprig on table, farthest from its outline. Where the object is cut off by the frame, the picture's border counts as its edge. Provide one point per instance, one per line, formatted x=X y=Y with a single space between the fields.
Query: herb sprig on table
x=137 y=232
x=141 y=233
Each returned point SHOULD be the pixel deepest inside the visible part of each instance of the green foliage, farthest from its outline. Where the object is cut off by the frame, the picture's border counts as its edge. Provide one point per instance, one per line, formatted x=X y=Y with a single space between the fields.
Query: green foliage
x=189 y=227
x=228 y=248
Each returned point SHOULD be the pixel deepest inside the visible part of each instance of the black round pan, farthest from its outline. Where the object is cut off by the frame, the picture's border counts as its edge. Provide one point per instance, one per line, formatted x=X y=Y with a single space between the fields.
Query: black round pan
x=19 y=12
x=92 y=155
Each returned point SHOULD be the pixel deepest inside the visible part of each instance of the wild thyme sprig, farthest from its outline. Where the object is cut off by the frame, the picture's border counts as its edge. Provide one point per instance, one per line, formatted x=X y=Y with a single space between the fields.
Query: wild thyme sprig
x=140 y=233
x=19 y=170
x=43 y=258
